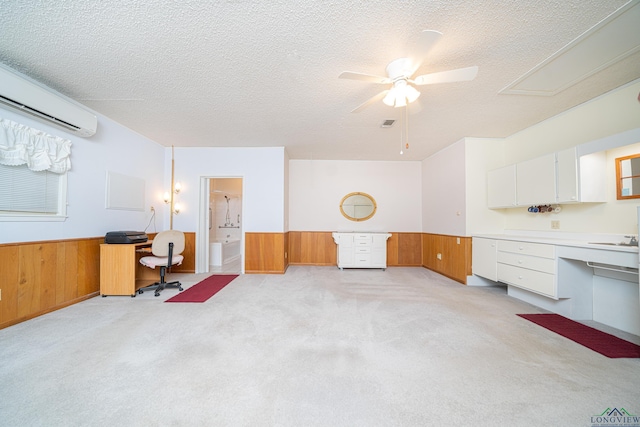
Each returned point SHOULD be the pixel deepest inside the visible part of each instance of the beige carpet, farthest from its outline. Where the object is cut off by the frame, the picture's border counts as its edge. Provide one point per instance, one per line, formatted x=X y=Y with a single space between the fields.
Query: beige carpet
x=314 y=347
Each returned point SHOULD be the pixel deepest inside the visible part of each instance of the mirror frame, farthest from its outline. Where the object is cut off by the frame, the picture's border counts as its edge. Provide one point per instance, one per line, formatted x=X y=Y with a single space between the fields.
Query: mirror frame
x=357 y=193
x=619 y=178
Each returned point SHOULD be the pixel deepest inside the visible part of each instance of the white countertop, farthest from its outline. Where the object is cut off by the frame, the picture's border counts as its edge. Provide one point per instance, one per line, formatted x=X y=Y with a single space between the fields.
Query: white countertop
x=567 y=239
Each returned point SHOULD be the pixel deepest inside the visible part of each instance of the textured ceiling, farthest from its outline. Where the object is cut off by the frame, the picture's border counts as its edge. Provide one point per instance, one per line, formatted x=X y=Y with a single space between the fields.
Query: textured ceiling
x=265 y=73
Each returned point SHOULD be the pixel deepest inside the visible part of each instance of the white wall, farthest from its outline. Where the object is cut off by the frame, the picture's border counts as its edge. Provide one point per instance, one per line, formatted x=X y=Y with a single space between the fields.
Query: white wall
x=444 y=192
x=317 y=186
x=113 y=148
x=482 y=155
x=614 y=112
x=263 y=173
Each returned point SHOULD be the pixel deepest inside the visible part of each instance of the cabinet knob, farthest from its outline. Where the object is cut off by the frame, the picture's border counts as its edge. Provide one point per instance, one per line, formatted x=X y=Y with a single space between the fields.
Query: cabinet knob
x=519 y=261
x=520 y=277
x=521 y=248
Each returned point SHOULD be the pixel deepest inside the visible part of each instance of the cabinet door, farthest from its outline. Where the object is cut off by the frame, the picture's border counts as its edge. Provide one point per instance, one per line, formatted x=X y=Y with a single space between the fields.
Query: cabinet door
x=567 y=176
x=379 y=251
x=536 y=181
x=346 y=250
x=501 y=187
x=484 y=260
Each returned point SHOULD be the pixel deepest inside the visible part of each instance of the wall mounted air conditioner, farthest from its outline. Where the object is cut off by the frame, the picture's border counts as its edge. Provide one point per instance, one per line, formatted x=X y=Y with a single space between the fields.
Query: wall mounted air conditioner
x=30 y=97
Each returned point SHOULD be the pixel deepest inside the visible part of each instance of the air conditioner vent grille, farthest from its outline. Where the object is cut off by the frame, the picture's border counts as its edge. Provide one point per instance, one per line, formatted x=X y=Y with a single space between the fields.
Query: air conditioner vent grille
x=387 y=123
x=37 y=113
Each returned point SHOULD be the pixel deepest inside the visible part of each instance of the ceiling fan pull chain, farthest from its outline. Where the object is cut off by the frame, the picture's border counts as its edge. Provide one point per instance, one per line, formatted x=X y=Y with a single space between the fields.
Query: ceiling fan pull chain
x=402 y=119
x=406 y=122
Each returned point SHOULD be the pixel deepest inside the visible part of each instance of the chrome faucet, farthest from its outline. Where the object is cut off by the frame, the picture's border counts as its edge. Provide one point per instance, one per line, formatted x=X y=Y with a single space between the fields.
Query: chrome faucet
x=633 y=241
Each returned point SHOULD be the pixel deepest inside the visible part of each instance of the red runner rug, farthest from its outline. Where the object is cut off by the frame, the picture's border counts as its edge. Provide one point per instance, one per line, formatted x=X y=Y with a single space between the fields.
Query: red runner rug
x=601 y=342
x=202 y=291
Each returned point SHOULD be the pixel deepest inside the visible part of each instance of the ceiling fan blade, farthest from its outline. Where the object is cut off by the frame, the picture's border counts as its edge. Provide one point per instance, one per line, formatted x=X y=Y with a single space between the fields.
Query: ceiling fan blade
x=364 y=77
x=419 y=51
x=458 y=75
x=370 y=101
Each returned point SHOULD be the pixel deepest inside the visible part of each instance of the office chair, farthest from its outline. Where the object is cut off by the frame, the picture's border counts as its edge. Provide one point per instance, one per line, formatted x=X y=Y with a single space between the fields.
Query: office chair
x=166 y=249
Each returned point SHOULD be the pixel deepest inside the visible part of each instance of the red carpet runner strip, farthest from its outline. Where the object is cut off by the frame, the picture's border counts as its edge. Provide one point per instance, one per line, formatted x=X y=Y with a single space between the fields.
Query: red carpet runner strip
x=202 y=291
x=601 y=342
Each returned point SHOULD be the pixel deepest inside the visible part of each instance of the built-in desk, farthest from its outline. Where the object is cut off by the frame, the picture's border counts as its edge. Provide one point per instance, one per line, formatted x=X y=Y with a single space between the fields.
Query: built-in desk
x=120 y=270
x=574 y=278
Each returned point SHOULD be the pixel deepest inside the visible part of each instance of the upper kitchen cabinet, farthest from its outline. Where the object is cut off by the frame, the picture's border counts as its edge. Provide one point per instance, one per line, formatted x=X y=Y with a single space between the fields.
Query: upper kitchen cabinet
x=501 y=187
x=536 y=181
x=562 y=177
x=581 y=178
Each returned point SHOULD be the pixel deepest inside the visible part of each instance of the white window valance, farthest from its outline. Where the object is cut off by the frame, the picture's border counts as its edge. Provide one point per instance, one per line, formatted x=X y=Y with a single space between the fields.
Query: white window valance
x=20 y=144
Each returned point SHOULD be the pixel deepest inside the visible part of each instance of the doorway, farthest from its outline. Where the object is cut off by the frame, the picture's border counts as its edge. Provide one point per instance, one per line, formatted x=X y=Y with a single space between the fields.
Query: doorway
x=221 y=234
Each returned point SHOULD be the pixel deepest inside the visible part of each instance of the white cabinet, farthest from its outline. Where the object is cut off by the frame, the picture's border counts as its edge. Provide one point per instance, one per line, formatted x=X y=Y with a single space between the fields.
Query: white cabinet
x=562 y=177
x=581 y=178
x=536 y=181
x=484 y=258
x=530 y=266
x=361 y=250
x=501 y=187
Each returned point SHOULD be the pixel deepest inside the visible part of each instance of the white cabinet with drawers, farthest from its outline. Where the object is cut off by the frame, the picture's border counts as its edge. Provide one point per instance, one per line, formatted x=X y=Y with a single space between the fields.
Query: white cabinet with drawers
x=530 y=266
x=484 y=258
x=361 y=250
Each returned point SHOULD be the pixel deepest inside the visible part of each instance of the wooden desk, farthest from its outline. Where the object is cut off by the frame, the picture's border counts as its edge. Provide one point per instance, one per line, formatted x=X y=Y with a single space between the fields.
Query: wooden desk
x=120 y=270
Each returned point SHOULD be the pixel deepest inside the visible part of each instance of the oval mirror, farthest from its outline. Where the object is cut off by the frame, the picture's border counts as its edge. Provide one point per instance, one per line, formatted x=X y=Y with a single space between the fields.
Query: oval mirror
x=358 y=206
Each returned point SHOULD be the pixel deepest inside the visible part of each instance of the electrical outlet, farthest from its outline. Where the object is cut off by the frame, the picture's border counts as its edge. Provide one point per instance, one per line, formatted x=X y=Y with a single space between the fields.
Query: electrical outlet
x=153 y=209
x=439 y=256
x=555 y=225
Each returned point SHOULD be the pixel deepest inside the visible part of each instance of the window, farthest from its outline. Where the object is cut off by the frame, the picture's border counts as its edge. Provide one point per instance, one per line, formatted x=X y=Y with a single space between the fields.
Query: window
x=628 y=177
x=31 y=195
x=33 y=174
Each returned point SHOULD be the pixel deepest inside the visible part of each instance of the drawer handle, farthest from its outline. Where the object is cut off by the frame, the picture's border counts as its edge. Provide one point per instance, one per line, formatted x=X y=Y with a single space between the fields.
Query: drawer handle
x=519 y=261
x=519 y=277
x=521 y=248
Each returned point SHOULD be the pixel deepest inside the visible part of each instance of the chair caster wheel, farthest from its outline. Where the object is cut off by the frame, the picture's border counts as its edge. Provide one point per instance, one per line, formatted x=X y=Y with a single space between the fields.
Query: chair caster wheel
x=180 y=289
x=133 y=296
x=140 y=291
x=157 y=294
x=104 y=296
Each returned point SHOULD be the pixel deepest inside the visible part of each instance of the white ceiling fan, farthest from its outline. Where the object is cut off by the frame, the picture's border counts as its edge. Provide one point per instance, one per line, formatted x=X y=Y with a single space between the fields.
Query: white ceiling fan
x=400 y=72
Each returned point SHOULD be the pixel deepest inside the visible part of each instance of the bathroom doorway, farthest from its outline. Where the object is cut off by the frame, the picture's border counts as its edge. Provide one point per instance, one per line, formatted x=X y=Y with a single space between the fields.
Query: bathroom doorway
x=224 y=236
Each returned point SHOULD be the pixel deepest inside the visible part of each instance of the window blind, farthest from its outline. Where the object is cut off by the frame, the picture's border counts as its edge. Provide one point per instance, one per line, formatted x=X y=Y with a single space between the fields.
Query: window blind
x=25 y=191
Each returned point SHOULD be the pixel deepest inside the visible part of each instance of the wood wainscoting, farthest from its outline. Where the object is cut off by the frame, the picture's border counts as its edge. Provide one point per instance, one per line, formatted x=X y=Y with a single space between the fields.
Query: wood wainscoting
x=455 y=255
x=404 y=250
x=312 y=248
x=266 y=253
x=40 y=277
x=319 y=248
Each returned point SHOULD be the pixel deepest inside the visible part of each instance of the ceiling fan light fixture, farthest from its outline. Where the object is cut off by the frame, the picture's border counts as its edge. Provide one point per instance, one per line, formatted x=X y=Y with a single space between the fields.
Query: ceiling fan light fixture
x=411 y=93
x=390 y=98
x=401 y=100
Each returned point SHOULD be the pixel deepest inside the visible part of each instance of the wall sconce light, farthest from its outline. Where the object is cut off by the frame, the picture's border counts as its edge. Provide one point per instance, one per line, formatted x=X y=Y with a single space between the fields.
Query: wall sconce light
x=176 y=189
x=176 y=208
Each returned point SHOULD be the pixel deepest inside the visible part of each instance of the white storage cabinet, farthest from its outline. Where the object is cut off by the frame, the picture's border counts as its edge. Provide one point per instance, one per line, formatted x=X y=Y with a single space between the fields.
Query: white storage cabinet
x=530 y=266
x=361 y=250
x=501 y=187
x=484 y=258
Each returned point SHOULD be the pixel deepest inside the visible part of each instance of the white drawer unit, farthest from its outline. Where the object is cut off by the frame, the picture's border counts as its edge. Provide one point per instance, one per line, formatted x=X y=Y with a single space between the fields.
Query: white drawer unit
x=530 y=266
x=361 y=250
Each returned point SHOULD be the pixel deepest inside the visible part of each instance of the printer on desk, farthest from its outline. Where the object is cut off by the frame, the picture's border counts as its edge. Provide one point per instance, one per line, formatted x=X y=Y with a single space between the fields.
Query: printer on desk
x=125 y=237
